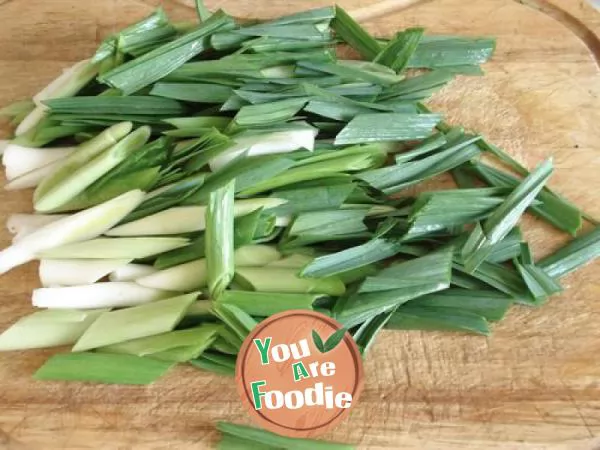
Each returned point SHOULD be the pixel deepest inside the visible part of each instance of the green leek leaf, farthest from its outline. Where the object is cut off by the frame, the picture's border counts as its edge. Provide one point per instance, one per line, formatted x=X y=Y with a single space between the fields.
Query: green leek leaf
x=351 y=258
x=387 y=127
x=278 y=279
x=102 y=368
x=399 y=50
x=48 y=328
x=479 y=244
x=219 y=239
x=168 y=346
x=215 y=362
x=349 y=31
x=442 y=51
x=154 y=65
x=135 y=105
x=135 y=322
x=575 y=254
x=553 y=209
x=395 y=285
x=489 y=304
x=192 y=92
x=264 y=304
x=439 y=319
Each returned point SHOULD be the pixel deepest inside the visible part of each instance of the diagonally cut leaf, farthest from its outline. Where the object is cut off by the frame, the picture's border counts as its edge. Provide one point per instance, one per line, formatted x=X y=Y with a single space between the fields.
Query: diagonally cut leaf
x=102 y=368
x=366 y=128
x=399 y=50
x=572 y=256
x=140 y=72
x=479 y=244
x=220 y=239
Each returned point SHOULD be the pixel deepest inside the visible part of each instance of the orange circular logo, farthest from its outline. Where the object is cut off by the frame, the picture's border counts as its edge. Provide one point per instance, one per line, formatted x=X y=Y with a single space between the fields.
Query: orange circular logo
x=299 y=373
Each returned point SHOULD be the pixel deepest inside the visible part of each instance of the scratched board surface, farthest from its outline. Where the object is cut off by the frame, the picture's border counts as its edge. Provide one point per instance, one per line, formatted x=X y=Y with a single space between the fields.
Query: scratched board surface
x=533 y=385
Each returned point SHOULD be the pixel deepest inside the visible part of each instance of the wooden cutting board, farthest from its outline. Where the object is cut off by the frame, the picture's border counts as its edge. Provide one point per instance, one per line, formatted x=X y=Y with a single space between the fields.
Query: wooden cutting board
x=533 y=385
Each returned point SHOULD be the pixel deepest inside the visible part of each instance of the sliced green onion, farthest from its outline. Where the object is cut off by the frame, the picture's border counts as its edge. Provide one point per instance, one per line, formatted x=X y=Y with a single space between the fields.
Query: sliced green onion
x=19 y=160
x=102 y=368
x=84 y=153
x=83 y=177
x=479 y=245
x=73 y=272
x=69 y=83
x=264 y=304
x=553 y=209
x=220 y=239
x=438 y=319
x=186 y=277
x=196 y=92
x=97 y=295
x=34 y=178
x=387 y=127
x=239 y=324
x=114 y=248
x=84 y=225
x=166 y=346
x=491 y=305
x=399 y=50
x=349 y=31
x=256 y=255
x=154 y=65
x=185 y=219
x=396 y=285
x=23 y=224
x=575 y=254
x=215 y=362
x=351 y=258
x=137 y=322
x=49 y=328
x=134 y=105
x=131 y=272
x=443 y=51
x=285 y=280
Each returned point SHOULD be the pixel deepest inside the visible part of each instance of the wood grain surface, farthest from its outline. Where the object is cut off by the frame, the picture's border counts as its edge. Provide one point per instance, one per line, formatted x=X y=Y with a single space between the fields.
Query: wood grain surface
x=533 y=385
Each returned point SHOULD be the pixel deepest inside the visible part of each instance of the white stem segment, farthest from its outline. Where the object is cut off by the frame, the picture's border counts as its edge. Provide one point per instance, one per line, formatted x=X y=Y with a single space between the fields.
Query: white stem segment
x=266 y=144
x=134 y=323
x=131 y=272
x=84 y=153
x=185 y=219
x=97 y=295
x=115 y=248
x=183 y=278
x=294 y=261
x=23 y=224
x=81 y=226
x=19 y=160
x=35 y=177
x=49 y=328
x=66 y=84
x=31 y=120
x=69 y=82
x=75 y=272
x=256 y=255
x=193 y=275
x=77 y=181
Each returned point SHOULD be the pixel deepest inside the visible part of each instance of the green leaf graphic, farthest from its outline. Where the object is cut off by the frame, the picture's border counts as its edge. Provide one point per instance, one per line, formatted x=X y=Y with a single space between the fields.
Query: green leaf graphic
x=334 y=340
x=318 y=341
x=331 y=343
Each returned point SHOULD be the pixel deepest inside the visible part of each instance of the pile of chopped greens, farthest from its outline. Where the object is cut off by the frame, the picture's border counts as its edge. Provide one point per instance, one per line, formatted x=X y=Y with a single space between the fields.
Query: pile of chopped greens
x=191 y=180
